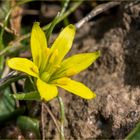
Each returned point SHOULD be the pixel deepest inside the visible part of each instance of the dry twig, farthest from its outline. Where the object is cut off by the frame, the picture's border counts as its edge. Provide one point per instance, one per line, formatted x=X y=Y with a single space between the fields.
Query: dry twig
x=98 y=10
x=52 y=116
x=7 y=29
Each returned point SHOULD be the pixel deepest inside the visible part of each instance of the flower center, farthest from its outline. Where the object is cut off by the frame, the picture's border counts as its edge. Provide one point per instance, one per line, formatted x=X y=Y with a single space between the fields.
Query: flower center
x=51 y=66
x=45 y=76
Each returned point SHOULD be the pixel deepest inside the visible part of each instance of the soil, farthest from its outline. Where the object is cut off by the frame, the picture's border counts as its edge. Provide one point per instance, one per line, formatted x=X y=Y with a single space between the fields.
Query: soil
x=115 y=78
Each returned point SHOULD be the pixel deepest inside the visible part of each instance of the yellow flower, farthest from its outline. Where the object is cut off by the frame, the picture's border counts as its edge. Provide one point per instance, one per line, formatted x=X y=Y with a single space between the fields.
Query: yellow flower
x=48 y=65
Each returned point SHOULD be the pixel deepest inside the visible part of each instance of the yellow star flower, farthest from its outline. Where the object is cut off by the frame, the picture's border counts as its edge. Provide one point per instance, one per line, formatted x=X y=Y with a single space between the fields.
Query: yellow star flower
x=48 y=65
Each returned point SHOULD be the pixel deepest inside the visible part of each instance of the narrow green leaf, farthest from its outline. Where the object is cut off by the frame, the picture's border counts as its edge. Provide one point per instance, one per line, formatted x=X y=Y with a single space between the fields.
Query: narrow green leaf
x=53 y=24
x=6 y=81
x=7 y=104
x=27 y=96
x=135 y=134
x=27 y=124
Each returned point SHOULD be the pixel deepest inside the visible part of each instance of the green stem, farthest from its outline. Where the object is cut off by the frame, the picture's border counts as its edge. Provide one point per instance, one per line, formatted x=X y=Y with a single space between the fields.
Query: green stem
x=62 y=115
x=64 y=6
x=75 y=6
x=1 y=40
x=54 y=22
x=42 y=121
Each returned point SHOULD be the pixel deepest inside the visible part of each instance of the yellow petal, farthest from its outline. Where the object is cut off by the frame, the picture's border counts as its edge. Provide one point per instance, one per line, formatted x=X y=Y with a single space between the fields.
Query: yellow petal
x=38 y=45
x=76 y=64
x=23 y=65
x=75 y=87
x=47 y=91
x=64 y=41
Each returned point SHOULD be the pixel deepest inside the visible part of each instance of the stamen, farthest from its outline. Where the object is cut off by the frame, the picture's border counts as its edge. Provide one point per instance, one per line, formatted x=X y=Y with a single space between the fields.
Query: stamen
x=45 y=63
x=54 y=55
x=53 y=63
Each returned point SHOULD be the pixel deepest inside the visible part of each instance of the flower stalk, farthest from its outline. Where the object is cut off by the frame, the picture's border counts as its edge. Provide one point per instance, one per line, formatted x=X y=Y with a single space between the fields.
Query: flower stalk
x=62 y=116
